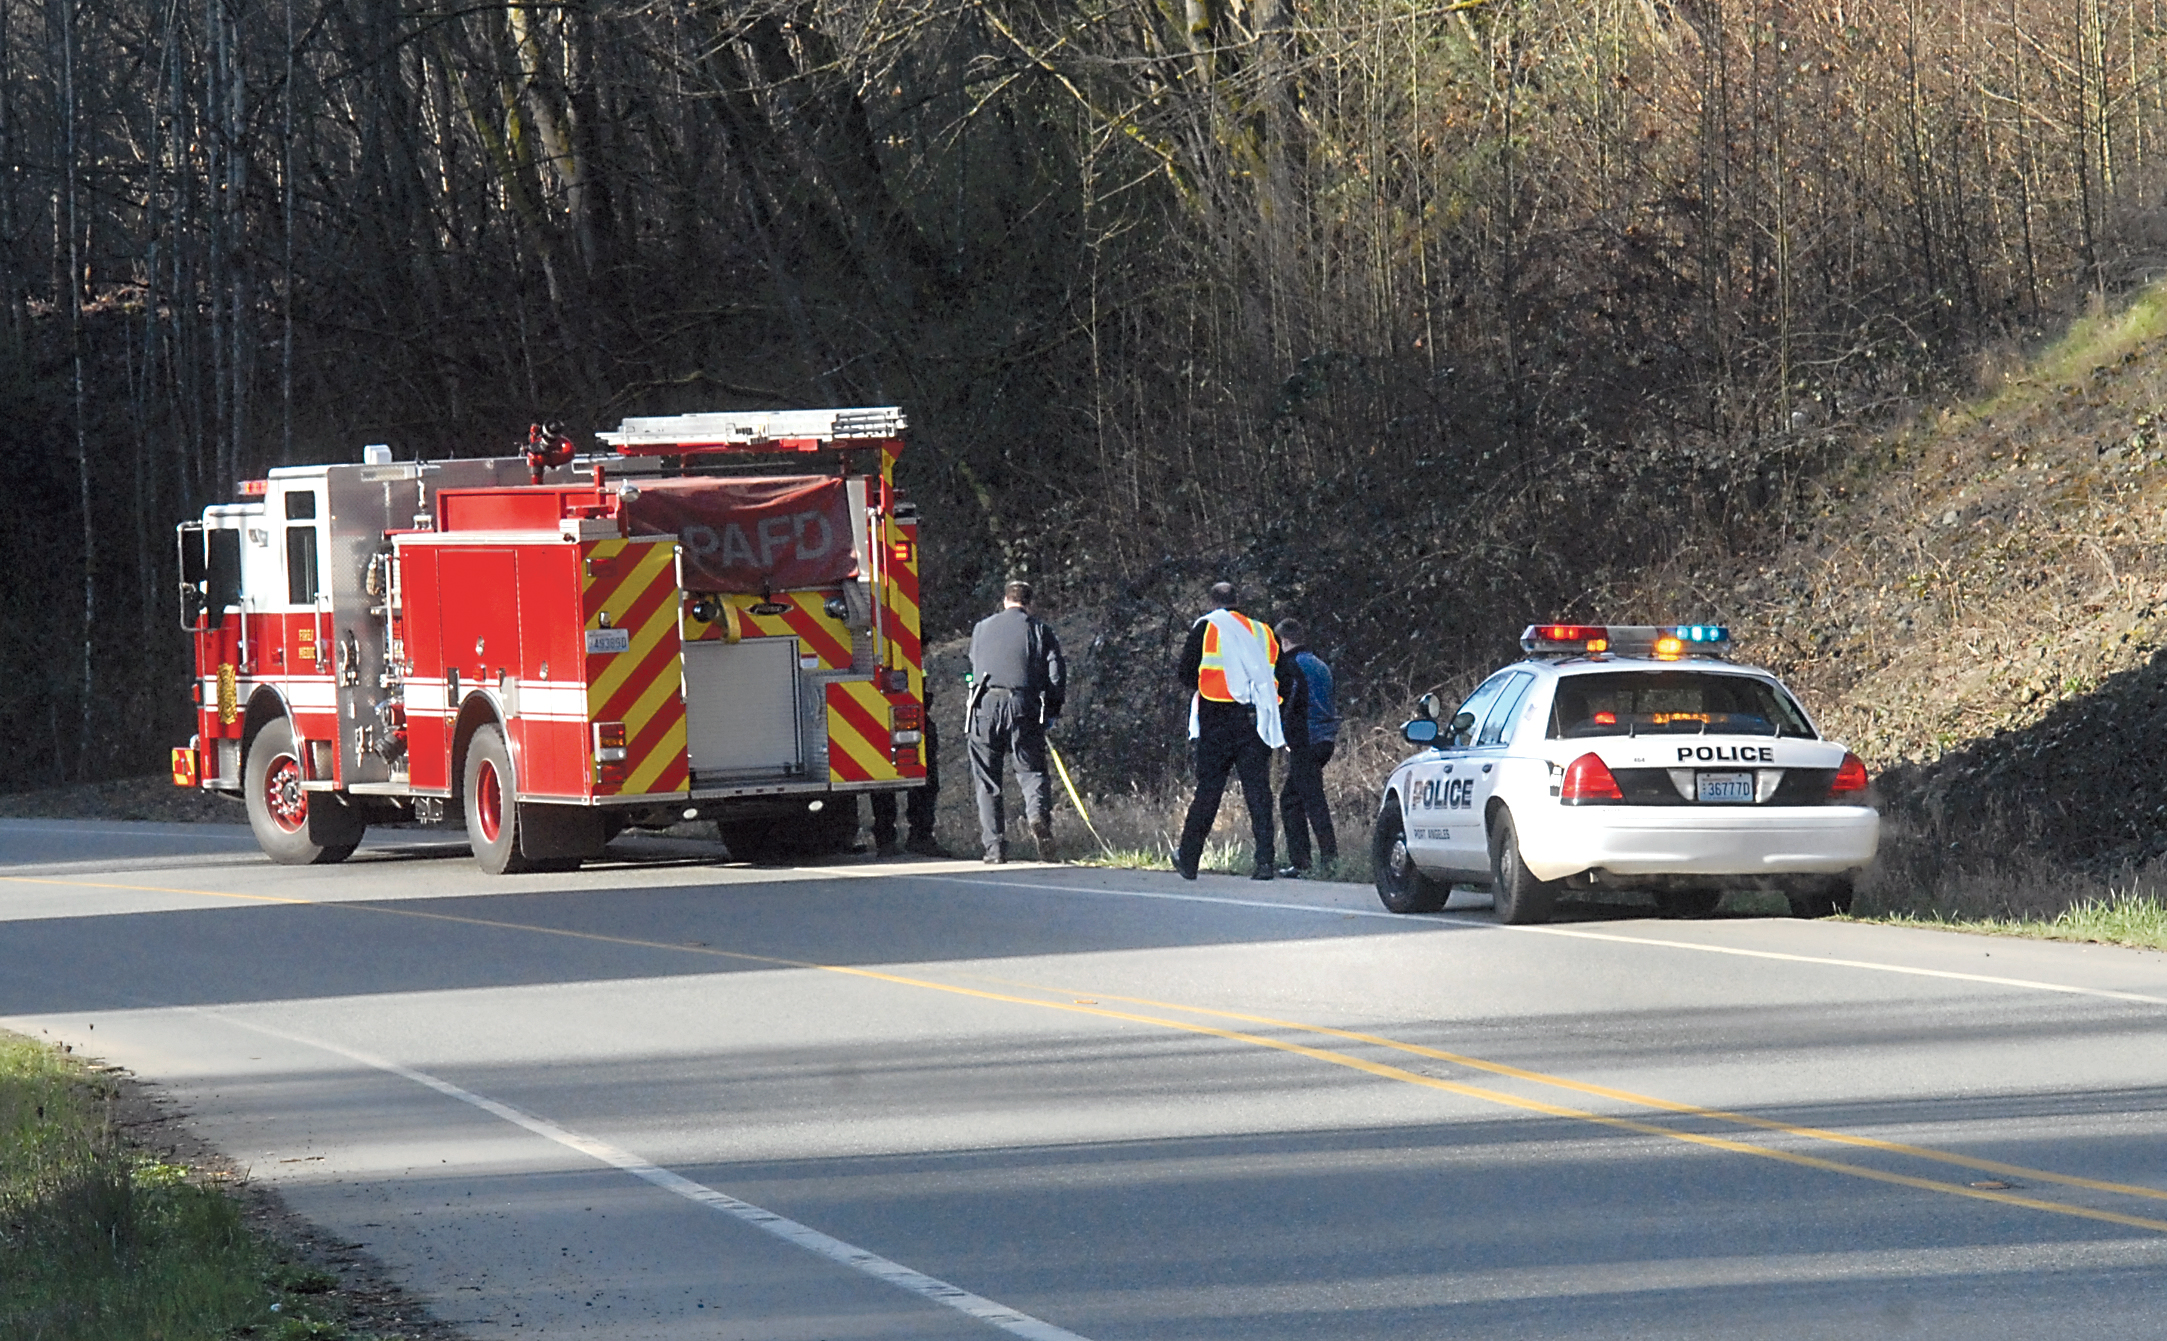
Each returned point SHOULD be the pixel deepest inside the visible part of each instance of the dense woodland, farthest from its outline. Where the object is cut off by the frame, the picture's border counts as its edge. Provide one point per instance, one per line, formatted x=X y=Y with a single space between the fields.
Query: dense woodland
x=1421 y=317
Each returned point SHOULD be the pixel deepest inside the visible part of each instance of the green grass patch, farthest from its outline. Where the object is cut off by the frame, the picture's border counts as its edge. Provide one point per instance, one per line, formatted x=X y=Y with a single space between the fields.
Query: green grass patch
x=99 y=1241
x=2122 y=917
x=2091 y=341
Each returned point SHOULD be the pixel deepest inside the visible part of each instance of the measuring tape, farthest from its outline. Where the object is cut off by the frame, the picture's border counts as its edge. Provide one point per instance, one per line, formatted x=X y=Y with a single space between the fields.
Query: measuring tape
x=1069 y=785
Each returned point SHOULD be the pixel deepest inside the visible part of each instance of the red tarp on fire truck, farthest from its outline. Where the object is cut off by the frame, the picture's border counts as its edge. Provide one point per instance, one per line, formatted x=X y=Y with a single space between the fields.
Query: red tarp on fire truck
x=751 y=535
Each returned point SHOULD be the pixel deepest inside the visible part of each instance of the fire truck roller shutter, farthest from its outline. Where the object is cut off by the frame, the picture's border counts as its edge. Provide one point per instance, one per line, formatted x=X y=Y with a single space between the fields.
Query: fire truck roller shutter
x=752 y=536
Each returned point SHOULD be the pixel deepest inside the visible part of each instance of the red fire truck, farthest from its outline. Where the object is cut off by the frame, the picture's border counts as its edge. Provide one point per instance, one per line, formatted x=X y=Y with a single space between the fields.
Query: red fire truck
x=556 y=646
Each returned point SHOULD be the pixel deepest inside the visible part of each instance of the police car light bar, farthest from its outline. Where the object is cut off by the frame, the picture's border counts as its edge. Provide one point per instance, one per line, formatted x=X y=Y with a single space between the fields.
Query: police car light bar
x=759 y=430
x=1664 y=642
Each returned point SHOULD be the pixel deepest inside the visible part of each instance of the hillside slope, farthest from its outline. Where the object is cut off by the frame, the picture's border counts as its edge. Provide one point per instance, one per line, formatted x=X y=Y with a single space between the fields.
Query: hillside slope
x=1979 y=609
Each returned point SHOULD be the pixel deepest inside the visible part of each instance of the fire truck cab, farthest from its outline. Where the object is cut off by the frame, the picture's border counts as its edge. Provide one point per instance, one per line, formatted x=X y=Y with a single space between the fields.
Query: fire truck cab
x=553 y=647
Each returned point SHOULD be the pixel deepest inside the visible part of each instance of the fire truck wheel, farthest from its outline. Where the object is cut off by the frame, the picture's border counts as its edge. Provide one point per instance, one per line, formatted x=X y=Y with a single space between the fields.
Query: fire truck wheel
x=288 y=829
x=492 y=815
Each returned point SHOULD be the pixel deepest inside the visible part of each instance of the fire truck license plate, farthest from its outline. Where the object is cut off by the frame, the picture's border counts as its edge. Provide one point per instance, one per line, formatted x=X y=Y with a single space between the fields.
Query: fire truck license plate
x=1731 y=788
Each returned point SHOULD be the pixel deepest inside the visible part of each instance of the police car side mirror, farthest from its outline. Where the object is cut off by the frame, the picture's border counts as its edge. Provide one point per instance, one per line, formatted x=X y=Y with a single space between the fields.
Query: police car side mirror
x=1463 y=727
x=1420 y=731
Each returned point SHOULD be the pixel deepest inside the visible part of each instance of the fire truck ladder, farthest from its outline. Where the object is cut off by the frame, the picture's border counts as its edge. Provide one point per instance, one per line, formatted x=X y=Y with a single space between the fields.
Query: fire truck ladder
x=786 y=429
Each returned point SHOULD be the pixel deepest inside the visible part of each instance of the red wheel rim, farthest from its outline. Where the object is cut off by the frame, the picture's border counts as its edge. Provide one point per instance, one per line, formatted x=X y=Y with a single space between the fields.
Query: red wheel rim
x=283 y=798
x=489 y=802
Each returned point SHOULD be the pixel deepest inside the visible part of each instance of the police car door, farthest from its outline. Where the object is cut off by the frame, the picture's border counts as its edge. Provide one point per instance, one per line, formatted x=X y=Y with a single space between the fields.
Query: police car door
x=1440 y=795
x=1478 y=765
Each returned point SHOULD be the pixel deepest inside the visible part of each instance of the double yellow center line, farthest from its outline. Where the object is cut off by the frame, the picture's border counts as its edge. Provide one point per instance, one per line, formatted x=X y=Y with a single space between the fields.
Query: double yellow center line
x=1086 y=1002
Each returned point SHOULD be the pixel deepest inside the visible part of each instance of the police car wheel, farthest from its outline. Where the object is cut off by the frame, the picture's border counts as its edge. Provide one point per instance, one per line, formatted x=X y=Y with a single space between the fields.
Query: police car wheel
x=1687 y=902
x=292 y=826
x=492 y=810
x=1401 y=885
x=1827 y=900
x=1519 y=898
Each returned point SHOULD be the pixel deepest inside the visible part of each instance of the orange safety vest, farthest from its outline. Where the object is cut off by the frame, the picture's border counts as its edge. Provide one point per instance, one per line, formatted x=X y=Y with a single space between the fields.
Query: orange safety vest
x=1211 y=671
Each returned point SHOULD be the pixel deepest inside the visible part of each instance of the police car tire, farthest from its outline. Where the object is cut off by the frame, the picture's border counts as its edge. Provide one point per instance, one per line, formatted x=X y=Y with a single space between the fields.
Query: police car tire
x=498 y=854
x=1687 y=902
x=1827 y=901
x=329 y=834
x=1518 y=897
x=1401 y=885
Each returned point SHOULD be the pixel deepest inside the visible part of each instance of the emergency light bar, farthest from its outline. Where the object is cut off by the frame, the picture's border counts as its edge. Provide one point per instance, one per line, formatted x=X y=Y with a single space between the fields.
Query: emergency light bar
x=1663 y=642
x=770 y=430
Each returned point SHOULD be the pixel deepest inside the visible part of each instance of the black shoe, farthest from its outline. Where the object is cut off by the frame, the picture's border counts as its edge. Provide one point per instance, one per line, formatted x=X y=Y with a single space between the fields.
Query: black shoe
x=994 y=857
x=889 y=849
x=1185 y=873
x=1042 y=836
x=927 y=846
x=1263 y=872
x=1293 y=872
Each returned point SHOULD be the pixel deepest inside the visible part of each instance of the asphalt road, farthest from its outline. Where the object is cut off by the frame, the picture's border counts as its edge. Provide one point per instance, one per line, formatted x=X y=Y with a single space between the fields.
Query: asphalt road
x=666 y=1098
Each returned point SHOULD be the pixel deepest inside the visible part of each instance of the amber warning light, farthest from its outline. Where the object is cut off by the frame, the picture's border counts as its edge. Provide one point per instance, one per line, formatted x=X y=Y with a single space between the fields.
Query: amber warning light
x=1665 y=642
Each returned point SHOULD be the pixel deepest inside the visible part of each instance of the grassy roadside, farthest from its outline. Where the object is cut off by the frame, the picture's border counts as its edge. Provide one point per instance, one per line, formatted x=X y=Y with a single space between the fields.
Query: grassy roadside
x=101 y=1239
x=2122 y=917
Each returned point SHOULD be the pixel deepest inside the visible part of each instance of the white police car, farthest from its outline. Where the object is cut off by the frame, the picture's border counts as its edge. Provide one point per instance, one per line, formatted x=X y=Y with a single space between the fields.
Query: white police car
x=1624 y=757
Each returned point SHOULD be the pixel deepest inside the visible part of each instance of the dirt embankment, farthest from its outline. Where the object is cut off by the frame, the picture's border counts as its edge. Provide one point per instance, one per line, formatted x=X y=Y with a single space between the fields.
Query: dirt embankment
x=1980 y=608
x=148 y=798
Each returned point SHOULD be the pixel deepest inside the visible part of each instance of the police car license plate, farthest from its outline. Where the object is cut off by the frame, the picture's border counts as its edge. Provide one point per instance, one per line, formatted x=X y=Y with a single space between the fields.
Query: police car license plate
x=1726 y=787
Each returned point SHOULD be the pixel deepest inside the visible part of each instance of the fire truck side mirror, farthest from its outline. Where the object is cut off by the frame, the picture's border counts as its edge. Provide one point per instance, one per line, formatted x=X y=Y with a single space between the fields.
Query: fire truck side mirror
x=210 y=568
x=195 y=567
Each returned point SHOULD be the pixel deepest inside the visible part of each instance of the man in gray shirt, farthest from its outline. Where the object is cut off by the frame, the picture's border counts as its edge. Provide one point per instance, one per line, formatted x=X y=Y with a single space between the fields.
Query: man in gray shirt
x=1017 y=684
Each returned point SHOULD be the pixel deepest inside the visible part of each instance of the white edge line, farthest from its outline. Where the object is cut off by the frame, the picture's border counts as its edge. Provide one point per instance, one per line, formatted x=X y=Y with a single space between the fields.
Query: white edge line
x=858 y=1259
x=2030 y=983
x=1412 y=921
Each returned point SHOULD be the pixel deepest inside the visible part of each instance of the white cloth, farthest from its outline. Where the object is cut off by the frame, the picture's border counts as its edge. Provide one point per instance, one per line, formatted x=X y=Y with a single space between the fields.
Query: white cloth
x=1249 y=678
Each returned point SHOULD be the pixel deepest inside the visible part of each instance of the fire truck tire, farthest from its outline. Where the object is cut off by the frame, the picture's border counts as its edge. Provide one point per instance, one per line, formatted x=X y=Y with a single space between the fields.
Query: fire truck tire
x=293 y=827
x=492 y=812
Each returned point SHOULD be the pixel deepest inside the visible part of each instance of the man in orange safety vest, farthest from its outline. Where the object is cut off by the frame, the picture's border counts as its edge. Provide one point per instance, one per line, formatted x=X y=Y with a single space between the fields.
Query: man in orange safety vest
x=1237 y=682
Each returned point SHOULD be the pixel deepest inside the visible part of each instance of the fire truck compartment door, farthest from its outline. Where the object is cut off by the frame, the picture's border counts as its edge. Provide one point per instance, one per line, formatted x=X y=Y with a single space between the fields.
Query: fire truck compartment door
x=741 y=707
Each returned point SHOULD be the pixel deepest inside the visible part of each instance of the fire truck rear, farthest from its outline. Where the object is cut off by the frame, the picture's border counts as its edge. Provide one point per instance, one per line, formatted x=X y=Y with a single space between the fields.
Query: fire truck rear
x=554 y=647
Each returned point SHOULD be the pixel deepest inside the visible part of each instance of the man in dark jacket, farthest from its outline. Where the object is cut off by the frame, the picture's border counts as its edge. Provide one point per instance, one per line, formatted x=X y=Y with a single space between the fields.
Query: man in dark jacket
x=1301 y=801
x=1017 y=685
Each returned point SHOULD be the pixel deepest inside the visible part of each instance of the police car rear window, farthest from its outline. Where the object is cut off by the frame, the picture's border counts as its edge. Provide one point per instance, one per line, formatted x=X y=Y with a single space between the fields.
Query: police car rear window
x=1671 y=703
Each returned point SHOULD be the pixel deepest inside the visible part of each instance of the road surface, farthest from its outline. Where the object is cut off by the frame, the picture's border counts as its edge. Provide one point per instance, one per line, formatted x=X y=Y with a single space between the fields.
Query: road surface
x=665 y=1097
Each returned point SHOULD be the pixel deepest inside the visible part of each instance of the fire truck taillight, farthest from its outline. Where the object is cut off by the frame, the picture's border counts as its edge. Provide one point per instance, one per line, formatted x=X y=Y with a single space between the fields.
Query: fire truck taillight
x=900 y=551
x=253 y=488
x=609 y=742
x=907 y=717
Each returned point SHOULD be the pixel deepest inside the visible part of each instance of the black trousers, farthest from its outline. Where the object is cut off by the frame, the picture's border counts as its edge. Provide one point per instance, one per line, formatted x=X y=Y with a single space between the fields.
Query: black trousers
x=1227 y=742
x=1301 y=804
x=919 y=808
x=1007 y=726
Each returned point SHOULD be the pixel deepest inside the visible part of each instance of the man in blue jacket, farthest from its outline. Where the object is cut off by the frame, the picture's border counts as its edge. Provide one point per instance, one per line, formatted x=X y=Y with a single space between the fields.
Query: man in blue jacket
x=1301 y=802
